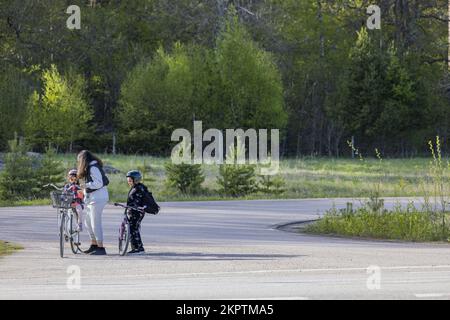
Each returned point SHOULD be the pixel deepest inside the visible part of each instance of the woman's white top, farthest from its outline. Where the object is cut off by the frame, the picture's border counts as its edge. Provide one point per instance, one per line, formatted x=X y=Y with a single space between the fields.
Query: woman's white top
x=101 y=192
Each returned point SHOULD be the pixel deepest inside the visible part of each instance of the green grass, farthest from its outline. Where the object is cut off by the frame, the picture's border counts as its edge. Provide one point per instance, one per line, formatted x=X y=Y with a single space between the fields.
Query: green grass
x=7 y=248
x=399 y=224
x=305 y=178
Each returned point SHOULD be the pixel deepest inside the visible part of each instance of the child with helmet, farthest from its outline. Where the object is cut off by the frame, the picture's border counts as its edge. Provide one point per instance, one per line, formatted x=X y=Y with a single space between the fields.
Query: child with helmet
x=73 y=186
x=139 y=197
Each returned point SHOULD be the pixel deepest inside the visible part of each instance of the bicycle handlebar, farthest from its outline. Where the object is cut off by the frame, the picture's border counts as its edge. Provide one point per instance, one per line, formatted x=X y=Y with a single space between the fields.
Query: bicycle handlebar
x=128 y=207
x=53 y=186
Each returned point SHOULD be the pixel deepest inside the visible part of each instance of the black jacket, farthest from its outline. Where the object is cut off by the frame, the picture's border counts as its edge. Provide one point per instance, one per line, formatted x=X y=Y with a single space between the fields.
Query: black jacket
x=139 y=196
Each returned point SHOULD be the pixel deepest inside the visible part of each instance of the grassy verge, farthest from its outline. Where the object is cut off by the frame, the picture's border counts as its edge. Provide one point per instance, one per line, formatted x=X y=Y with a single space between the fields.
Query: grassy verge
x=304 y=177
x=408 y=224
x=7 y=248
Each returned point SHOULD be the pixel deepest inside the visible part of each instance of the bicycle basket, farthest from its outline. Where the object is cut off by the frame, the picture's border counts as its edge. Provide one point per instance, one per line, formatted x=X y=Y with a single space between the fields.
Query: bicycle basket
x=61 y=200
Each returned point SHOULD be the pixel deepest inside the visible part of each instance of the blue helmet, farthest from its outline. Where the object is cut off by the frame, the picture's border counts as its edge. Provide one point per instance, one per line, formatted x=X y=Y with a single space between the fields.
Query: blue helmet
x=136 y=175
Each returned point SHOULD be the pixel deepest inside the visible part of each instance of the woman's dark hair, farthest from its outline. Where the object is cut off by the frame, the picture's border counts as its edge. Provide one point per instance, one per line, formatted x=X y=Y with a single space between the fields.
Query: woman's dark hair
x=84 y=158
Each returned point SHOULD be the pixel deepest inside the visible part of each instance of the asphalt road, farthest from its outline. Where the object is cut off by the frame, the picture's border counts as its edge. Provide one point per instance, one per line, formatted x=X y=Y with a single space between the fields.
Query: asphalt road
x=219 y=250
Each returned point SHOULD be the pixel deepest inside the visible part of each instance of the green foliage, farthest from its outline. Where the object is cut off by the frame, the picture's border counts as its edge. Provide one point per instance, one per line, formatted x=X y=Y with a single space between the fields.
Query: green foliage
x=61 y=114
x=156 y=97
x=24 y=174
x=237 y=180
x=13 y=93
x=384 y=99
x=291 y=64
x=186 y=178
x=236 y=85
x=249 y=88
x=18 y=178
x=401 y=224
x=50 y=170
x=272 y=185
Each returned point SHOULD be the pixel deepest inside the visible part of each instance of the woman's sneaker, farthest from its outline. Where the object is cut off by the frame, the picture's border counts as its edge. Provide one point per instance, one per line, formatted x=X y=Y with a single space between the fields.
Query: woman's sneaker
x=91 y=249
x=99 y=252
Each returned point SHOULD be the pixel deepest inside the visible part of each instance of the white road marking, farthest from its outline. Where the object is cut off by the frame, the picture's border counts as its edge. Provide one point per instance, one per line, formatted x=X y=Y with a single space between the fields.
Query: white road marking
x=363 y=269
x=431 y=295
x=278 y=298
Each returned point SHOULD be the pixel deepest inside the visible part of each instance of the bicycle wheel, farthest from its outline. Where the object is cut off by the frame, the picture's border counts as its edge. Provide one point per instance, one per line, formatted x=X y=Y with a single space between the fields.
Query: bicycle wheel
x=124 y=238
x=62 y=236
x=74 y=235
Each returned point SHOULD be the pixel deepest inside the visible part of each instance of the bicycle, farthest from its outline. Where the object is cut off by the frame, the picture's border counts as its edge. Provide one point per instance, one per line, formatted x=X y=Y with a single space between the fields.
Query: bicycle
x=66 y=216
x=124 y=230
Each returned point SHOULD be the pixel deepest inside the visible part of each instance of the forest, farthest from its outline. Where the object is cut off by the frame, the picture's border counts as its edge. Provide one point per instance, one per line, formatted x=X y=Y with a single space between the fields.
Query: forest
x=137 y=70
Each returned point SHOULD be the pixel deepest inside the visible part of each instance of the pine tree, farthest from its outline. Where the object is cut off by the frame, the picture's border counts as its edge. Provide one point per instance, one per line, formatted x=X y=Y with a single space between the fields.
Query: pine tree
x=50 y=171
x=186 y=178
x=18 y=180
x=235 y=179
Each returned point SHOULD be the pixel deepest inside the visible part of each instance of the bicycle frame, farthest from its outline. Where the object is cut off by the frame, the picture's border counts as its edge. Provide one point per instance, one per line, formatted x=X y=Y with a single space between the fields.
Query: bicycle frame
x=124 y=229
x=125 y=221
x=65 y=218
x=67 y=213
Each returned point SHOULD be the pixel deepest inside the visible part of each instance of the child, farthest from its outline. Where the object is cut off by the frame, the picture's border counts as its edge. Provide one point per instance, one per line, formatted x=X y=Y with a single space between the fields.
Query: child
x=140 y=197
x=73 y=186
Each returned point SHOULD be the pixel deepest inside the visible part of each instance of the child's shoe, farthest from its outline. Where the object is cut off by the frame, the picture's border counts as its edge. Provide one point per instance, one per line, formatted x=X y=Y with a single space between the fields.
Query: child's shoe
x=140 y=250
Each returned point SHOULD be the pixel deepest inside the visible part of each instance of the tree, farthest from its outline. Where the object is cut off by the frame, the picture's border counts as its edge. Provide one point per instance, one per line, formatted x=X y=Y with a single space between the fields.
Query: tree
x=157 y=97
x=186 y=178
x=366 y=86
x=61 y=114
x=18 y=179
x=249 y=87
x=50 y=170
x=236 y=179
x=13 y=90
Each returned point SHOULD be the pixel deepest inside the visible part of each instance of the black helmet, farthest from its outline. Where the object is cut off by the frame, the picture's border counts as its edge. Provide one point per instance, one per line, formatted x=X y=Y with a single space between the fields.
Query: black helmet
x=135 y=175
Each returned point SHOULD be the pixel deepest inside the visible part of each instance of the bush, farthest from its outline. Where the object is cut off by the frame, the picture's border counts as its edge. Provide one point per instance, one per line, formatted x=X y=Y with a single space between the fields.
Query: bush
x=186 y=178
x=400 y=224
x=237 y=180
x=271 y=185
x=50 y=171
x=60 y=114
x=24 y=175
x=18 y=178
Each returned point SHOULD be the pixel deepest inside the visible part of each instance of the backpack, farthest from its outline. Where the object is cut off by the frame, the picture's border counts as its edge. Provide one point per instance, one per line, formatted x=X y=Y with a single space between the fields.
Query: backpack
x=89 y=179
x=151 y=206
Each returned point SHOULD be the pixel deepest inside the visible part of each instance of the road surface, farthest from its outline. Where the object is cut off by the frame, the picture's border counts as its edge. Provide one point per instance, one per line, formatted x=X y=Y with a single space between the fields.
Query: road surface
x=220 y=250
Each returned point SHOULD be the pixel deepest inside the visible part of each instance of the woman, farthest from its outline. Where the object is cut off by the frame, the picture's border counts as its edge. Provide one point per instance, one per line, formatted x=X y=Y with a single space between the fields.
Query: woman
x=90 y=169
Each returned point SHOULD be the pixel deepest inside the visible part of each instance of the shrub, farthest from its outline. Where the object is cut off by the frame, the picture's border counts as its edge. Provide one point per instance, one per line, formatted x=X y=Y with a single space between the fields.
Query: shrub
x=271 y=185
x=24 y=174
x=400 y=223
x=60 y=114
x=50 y=171
x=186 y=178
x=237 y=180
x=18 y=178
